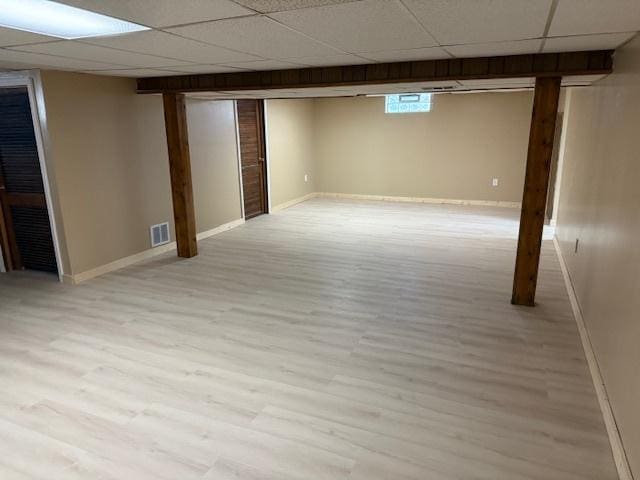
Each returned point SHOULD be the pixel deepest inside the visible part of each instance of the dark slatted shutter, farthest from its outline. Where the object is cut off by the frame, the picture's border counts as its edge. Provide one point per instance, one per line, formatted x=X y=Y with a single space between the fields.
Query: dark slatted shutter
x=23 y=197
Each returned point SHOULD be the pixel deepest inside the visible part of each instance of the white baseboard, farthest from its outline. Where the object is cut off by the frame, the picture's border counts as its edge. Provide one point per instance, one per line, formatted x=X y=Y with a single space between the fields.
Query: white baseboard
x=145 y=255
x=450 y=201
x=292 y=202
x=387 y=198
x=221 y=228
x=617 y=447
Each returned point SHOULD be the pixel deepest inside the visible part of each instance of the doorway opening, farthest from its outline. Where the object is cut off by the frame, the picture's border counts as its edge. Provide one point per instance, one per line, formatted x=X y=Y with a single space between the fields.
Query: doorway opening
x=251 y=138
x=26 y=236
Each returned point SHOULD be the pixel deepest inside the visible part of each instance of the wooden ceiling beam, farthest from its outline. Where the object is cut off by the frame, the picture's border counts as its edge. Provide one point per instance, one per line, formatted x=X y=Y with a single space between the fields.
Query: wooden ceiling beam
x=513 y=66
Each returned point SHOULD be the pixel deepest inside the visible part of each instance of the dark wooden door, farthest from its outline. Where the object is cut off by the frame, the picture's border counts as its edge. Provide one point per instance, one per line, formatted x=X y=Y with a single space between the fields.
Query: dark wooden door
x=25 y=231
x=252 y=156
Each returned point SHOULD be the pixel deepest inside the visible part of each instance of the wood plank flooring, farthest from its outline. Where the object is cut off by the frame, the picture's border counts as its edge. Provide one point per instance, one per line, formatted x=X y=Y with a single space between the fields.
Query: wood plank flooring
x=333 y=340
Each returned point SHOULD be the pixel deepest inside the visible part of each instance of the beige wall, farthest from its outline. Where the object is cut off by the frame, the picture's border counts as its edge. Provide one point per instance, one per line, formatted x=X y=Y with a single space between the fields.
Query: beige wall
x=290 y=142
x=214 y=162
x=599 y=205
x=107 y=153
x=452 y=152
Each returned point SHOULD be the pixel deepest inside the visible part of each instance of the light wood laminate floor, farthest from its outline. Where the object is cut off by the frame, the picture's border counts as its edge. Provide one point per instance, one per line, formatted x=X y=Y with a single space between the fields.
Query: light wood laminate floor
x=333 y=340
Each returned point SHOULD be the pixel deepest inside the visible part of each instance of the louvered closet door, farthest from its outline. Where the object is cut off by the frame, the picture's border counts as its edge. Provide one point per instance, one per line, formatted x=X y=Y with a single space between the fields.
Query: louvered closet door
x=25 y=229
x=252 y=156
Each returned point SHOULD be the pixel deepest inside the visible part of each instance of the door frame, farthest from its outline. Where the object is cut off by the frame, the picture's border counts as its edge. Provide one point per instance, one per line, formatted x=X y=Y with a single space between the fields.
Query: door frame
x=2 y=269
x=265 y=141
x=267 y=169
x=33 y=83
x=236 y=119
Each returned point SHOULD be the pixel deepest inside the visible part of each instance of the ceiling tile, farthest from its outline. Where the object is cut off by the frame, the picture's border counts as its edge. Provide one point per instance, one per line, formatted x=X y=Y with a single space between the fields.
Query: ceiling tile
x=255 y=35
x=264 y=65
x=270 y=6
x=133 y=72
x=169 y=45
x=163 y=13
x=365 y=26
x=83 y=51
x=495 y=48
x=332 y=60
x=430 y=53
x=603 y=41
x=454 y=22
x=579 y=17
x=10 y=37
x=204 y=69
x=49 y=61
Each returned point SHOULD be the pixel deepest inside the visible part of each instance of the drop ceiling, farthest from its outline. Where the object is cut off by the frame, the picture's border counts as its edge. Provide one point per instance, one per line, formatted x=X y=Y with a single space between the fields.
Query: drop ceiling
x=215 y=36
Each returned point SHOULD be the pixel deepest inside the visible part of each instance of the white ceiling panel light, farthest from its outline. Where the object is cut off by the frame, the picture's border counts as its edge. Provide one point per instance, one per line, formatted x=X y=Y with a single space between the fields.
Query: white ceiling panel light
x=62 y=21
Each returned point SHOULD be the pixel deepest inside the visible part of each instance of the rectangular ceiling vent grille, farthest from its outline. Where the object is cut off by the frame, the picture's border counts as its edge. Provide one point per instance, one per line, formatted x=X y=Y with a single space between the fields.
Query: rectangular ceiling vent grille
x=159 y=234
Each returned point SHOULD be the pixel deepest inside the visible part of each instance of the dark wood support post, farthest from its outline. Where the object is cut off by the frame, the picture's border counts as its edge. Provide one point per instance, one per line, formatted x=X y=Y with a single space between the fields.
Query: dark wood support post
x=536 y=183
x=175 y=119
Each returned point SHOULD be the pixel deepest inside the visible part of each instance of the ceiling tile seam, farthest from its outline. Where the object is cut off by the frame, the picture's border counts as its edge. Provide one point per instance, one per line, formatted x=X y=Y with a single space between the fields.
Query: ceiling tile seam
x=194 y=64
x=552 y=11
x=363 y=54
x=200 y=22
x=292 y=59
x=322 y=42
x=590 y=34
x=18 y=50
x=244 y=6
x=14 y=49
x=289 y=9
x=417 y=20
x=68 y=58
x=258 y=57
x=30 y=43
x=294 y=65
x=496 y=42
x=163 y=70
x=362 y=57
x=169 y=68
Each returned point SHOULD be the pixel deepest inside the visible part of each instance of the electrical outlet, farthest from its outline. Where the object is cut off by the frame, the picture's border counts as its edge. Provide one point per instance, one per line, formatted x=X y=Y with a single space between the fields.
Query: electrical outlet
x=494 y=182
x=306 y=178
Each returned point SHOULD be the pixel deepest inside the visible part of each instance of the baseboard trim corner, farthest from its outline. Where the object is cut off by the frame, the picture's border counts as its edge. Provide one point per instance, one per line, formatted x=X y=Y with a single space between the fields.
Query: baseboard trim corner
x=292 y=202
x=615 y=440
x=139 y=257
x=447 y=201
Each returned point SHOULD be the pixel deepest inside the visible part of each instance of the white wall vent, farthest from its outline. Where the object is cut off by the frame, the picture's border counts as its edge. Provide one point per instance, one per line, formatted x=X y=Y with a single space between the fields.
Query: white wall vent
x=159 y=234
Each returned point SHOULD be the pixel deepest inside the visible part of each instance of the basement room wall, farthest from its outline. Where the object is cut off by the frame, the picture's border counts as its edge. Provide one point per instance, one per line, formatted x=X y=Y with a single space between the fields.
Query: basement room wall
x=107 y=150
x=452 y=152
x=599 y=205
x=214 y=162
x=290 y=142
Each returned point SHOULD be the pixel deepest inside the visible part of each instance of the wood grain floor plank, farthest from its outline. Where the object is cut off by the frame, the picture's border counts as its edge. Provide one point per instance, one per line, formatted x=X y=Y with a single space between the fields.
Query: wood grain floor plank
x=333 y=340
